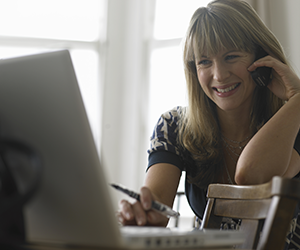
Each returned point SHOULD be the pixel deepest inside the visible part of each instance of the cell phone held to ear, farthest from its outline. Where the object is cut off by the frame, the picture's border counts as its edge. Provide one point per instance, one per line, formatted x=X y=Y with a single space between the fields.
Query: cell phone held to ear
x=261 y=75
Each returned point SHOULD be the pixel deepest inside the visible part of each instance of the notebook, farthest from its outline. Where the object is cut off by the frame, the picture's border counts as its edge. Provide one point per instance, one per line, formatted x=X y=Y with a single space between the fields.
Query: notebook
x=41 y=105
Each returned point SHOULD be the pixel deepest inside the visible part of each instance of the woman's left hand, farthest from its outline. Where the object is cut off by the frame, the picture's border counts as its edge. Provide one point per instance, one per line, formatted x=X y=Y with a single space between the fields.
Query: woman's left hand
x=285 y=83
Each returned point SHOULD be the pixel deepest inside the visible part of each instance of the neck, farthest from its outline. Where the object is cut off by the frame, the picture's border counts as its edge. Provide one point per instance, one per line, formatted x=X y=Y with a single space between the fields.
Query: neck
x=234 y=125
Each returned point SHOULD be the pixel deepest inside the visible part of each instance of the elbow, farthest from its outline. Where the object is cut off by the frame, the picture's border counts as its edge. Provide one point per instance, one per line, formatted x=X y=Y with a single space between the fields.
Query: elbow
x=240 y=178
x=247 y=174
x=242 y=173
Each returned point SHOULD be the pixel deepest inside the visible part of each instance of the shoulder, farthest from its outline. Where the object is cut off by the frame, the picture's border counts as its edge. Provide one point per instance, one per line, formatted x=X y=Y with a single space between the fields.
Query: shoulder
x=174 y=114
x=165 y=133
x=168 y=122
x=172 y=117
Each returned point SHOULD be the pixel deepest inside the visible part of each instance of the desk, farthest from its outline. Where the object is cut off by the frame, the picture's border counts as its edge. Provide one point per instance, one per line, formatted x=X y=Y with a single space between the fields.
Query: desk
x=47 y=248
x=53 y=247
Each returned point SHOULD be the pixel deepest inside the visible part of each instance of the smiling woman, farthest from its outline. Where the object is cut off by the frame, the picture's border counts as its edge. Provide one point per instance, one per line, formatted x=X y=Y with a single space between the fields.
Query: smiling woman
x=232 y=131
x=229 y=48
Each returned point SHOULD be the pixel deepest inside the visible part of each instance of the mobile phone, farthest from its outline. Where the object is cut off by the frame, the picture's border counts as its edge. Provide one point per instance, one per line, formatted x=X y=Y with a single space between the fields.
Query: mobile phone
x=261 y=75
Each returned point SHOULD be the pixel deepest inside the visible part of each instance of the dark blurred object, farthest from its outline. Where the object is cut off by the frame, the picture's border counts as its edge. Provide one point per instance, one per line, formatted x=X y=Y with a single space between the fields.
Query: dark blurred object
x=20 y=174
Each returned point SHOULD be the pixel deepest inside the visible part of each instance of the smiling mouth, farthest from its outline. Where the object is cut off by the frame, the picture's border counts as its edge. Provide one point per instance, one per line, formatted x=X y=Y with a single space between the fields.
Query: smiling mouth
x=227 y=89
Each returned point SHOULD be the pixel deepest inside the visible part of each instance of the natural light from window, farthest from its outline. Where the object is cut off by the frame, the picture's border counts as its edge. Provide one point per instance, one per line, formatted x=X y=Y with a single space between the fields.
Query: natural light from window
x=167 y=80
x=55 y=19
x=35 y=26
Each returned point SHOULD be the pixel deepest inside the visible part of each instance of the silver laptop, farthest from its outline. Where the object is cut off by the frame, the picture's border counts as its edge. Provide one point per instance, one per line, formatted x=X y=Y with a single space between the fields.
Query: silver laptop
x=41 y=105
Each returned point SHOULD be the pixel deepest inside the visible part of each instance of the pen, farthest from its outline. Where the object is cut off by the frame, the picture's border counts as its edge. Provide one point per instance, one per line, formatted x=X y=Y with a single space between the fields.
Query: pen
x=157 y=206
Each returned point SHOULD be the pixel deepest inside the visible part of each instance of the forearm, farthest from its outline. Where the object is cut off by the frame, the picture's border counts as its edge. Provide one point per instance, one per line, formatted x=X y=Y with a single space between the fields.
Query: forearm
x=269 y=152
x=160 y=185
x=163 y=179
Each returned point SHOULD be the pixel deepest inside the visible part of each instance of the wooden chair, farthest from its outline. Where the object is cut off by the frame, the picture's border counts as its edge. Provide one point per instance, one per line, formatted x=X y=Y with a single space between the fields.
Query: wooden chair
x=266 y=210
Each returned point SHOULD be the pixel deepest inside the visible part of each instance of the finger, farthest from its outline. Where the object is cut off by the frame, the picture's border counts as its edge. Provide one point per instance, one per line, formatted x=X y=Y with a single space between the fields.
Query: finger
x=267 y=61
x=125 y=222
x=121 y=220
x=271 y=62
x=126 y=210
x=258 y=63
x=139 y=214
x=155 y=218
x=146 y=198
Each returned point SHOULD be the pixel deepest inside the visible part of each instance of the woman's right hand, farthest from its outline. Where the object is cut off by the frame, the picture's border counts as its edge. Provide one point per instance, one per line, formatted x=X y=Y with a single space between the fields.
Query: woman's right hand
x=140 y=212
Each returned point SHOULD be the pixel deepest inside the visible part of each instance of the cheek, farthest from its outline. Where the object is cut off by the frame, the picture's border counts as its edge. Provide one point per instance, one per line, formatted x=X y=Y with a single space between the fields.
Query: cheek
x=244 y=74
x=249 y=84
x=248 y=76
x=203 y=79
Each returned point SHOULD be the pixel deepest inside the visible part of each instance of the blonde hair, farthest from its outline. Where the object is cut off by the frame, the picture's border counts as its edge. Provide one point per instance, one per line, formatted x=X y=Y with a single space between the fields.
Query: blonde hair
x=222 y=24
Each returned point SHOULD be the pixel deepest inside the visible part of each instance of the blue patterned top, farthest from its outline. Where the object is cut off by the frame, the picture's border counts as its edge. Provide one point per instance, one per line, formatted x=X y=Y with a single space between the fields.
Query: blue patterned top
x=164 y=148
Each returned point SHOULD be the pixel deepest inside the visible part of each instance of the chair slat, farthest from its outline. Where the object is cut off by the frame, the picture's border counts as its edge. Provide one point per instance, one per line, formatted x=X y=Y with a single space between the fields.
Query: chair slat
x=226 y=191
x=247 y=209
x=265 y=210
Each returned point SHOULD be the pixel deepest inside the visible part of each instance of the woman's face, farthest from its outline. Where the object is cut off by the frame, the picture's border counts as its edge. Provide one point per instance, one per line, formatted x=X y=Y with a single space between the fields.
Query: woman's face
x=225 y=79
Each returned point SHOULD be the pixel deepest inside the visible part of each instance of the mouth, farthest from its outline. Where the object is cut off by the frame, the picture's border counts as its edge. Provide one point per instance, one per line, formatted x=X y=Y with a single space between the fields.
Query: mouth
x=232 y=87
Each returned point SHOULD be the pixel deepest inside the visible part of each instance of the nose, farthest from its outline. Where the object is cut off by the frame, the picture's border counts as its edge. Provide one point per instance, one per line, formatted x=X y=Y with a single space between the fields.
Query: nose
x=220 y=72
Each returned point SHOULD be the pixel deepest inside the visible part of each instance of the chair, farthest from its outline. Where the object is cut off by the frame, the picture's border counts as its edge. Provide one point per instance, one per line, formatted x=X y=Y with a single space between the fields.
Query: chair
x=194 y=221
x=266 y=210
x=178 y=195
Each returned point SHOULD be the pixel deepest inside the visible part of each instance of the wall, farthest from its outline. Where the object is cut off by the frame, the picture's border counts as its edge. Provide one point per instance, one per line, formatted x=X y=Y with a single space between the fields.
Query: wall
x=283 y=18
x=285 y=22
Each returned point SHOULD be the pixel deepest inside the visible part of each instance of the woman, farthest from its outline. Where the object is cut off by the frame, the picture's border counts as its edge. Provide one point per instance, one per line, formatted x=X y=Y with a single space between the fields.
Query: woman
x=232 y=131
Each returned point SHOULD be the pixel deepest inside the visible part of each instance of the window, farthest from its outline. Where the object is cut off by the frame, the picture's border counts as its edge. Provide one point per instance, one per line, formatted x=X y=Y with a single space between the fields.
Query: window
x=167 y=81
x=34 y=26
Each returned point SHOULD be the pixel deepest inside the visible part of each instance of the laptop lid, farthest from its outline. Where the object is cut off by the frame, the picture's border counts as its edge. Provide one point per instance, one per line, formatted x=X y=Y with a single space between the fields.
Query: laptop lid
x=41 y=105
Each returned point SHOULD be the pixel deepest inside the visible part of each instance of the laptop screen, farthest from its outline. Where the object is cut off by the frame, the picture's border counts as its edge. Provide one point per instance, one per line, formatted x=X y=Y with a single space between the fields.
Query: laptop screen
x=41 y=105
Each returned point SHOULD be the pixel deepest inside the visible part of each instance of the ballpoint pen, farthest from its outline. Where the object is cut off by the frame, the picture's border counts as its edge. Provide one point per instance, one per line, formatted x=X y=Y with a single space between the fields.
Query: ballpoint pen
x=157 y=206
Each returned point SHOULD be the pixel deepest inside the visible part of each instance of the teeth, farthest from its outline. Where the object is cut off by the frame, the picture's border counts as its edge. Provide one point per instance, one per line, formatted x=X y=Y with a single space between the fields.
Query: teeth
x=228 y=89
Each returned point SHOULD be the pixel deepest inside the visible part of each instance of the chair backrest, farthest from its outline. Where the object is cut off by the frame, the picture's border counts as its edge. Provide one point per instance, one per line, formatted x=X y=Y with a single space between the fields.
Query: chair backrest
x=266 y=210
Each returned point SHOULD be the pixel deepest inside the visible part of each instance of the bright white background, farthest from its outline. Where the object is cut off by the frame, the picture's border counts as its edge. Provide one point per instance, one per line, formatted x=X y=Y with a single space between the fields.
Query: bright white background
x=128 y=59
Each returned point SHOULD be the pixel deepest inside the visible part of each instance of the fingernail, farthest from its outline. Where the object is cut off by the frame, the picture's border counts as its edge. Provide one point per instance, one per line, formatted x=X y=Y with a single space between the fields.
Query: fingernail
x=140 y=221
x=128 y=216
x=146 y=205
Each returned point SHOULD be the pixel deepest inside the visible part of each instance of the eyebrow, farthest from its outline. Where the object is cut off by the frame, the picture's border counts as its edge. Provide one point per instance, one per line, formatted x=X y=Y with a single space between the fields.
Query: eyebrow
x=230 y=51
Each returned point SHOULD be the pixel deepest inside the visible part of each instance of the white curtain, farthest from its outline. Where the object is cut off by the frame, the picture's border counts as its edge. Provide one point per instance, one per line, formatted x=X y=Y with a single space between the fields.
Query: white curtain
x=283 y=18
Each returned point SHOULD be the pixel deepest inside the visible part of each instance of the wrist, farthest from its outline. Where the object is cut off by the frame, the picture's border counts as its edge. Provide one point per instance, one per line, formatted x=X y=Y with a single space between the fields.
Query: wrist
x=295 y=96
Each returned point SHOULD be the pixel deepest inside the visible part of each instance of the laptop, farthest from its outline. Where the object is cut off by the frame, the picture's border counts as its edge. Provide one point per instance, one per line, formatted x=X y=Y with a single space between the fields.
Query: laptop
x=41 y=105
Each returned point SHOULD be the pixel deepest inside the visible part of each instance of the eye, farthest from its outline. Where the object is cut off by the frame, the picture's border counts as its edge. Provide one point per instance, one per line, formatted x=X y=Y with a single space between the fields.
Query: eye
x=204 y=62
x=230 y=57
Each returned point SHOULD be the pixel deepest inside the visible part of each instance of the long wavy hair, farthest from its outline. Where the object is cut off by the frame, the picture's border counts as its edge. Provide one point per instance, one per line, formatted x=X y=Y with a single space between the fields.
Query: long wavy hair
x=229 y=24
